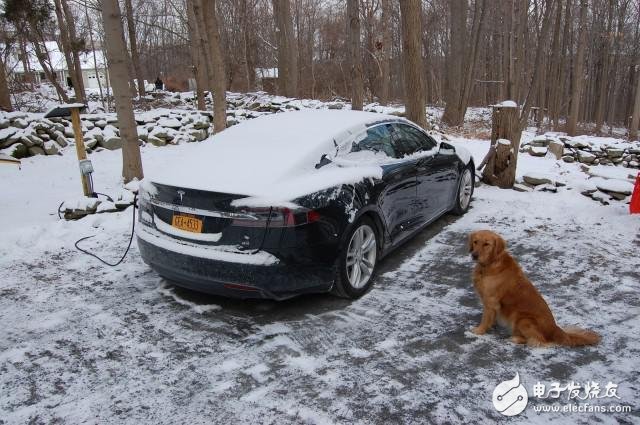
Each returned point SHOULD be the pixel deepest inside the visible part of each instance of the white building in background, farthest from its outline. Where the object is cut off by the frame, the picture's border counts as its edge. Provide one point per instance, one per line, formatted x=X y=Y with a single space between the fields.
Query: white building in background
x=90 y=72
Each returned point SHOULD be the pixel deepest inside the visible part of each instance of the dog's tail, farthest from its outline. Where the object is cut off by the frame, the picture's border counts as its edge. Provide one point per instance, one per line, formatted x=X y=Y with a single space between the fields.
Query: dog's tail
x=575 y=337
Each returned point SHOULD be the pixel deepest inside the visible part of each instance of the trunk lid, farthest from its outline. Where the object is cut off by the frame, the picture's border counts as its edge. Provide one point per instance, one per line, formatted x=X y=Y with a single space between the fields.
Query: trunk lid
x=206 y=217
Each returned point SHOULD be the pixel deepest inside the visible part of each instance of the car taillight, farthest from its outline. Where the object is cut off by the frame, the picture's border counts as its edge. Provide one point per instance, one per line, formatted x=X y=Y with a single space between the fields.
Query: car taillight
x=276 y=217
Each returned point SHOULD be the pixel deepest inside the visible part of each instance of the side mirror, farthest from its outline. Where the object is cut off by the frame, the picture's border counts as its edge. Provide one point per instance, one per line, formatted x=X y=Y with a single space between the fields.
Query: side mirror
x=446 y=149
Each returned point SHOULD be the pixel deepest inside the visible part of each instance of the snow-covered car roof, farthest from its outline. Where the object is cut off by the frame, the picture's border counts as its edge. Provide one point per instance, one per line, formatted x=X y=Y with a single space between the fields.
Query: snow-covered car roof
x=259 y=156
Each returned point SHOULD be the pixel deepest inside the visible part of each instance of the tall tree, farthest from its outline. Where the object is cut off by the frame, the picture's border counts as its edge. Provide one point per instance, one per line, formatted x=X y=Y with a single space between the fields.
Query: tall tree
x=5 y=98
x=133 y=43
x=577 y=75
x=248 y=71
x=385 y=62
x=635 y=116
x=604 y=62
x=197 y=56
x=462 y=59
x=414 y=93
x=355 y=56
x=201 y=33
x=89 y=23
x=455 y=60
x=78 y=86
x=217 y=66
x=77 y=44
x=287 y=54
x=119 y=70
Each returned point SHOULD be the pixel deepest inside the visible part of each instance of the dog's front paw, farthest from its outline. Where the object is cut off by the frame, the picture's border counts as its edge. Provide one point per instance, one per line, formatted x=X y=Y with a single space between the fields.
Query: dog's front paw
x=478 y=330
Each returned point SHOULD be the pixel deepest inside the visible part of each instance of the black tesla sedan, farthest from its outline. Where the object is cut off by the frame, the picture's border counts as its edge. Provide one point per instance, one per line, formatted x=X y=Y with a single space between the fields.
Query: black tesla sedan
x=296 y=202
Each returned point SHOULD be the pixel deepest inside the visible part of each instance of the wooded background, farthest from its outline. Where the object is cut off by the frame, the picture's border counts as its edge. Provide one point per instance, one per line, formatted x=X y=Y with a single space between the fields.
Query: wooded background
x=573 y=62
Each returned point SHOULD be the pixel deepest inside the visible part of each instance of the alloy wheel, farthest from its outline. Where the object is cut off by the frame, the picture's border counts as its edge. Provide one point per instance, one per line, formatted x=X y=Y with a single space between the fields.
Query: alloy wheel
x=466 y=189
x=361 y=256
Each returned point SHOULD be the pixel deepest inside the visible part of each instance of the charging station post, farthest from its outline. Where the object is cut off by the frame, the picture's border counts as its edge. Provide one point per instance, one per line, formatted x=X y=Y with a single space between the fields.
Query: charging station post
x=86 y=168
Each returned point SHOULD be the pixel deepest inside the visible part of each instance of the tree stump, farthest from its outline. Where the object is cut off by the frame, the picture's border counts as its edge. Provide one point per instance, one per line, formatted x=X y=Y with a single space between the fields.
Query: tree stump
x=502 y=158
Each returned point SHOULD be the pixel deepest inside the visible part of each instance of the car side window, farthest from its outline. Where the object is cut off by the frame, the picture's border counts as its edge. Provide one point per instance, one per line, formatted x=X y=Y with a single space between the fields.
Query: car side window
x=378 y=139
x=410 y=140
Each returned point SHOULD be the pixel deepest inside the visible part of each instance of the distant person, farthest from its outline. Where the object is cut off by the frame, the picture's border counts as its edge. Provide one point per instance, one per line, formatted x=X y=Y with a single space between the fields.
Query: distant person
x=69 y=82
x=159 y=84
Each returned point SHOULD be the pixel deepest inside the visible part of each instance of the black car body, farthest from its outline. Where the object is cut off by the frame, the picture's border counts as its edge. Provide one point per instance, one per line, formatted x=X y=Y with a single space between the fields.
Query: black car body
x=396 y=178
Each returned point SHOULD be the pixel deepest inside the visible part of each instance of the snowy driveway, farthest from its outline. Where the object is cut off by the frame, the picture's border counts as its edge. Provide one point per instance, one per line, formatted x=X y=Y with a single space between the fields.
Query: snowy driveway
x=83 y=343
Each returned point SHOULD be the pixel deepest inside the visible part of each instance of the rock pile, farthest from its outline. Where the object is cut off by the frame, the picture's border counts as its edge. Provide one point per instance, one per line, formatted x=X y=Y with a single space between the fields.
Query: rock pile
x=606 y=186
x=592 y=151
x=538 y=182
x=74 y=209
x=25 y=134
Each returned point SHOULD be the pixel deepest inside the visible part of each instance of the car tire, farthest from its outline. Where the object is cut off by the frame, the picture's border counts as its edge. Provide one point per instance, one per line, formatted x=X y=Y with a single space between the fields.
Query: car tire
x=465 y=190
x=357 y=260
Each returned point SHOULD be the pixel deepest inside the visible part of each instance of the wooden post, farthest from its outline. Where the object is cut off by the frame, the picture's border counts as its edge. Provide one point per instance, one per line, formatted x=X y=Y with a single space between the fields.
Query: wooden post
x=502 y=158
x=80 y=150
x=73 y=109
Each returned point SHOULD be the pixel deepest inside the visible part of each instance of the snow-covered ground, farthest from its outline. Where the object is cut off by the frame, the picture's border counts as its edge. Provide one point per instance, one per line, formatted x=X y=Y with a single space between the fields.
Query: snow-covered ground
x=85 y=343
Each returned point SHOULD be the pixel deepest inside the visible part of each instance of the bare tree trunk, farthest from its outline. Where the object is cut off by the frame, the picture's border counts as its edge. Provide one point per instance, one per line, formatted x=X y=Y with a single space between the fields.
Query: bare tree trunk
x=287 y=55
x=552 y=83
x=217 y=66
x=502 y=157
x=635 y=117
x=512 y=83
x=536 y=77
x=463 y=62
x=455 y=61
x=5 y=98
x=67 y=51
x=410 y=14
x=613 y=90
x=76 y=46
x=355 y=57
x=603 y=80
x=199 y=66
x=560 y=104
x=387 y=39
x=246 y=67
x=133 y=43
x=578 y=77
x=25 y=63
x=119 y=66
x=93 y=50
x=201 y=32
x=476 y=36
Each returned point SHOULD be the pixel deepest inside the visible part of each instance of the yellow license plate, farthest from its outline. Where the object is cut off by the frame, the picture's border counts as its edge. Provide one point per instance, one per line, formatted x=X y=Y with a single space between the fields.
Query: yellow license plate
x=187 y=223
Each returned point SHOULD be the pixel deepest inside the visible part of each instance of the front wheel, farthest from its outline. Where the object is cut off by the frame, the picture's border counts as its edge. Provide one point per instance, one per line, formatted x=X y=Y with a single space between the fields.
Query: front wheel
x=357 y=261
x=465 y=191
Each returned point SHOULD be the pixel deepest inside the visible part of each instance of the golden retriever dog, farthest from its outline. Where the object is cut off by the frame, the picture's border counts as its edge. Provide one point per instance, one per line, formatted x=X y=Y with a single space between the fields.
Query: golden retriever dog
x=508 y=296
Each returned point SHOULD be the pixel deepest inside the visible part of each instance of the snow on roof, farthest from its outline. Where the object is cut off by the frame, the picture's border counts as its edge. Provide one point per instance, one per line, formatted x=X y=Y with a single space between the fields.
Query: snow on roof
x=273 y=155
x=14 y=64
x=508 y=104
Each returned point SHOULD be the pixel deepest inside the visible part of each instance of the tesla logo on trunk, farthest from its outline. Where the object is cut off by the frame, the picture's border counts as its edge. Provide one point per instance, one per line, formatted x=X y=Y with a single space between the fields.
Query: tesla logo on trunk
x=181 y=193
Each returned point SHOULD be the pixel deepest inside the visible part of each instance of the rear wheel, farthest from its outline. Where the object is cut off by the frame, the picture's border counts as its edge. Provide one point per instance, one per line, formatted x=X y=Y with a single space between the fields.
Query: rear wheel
x=357 y=262
x=465 y=191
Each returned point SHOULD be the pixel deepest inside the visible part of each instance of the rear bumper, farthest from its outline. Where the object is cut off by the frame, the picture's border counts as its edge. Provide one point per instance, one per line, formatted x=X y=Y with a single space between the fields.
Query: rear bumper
x=230 y=274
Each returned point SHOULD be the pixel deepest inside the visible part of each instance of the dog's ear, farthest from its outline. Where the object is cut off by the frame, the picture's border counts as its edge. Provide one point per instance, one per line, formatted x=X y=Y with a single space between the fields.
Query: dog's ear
x=472 y=236
x=499 y=246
